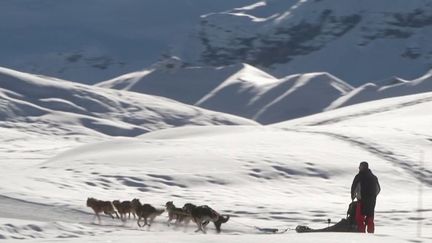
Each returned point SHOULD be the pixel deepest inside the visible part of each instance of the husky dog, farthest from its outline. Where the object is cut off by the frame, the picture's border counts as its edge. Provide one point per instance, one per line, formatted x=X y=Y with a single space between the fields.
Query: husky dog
x=201 y=215
x=187 y=208
x=147 y=211
x=123 y=208
x=99 y=206
x=175 y=213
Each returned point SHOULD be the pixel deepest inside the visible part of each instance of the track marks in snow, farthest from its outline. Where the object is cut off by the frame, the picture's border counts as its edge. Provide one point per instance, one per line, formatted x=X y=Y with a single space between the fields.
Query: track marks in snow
x=276 y=171
x=309 y=171
x=30 y=220
x=20 y=209
x=146 y=183
x=412 y=167
x=369 y=112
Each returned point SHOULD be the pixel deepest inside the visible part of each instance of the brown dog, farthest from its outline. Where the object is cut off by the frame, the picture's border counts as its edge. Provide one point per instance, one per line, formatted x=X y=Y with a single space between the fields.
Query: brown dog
x=100 y=206
x=123 y=208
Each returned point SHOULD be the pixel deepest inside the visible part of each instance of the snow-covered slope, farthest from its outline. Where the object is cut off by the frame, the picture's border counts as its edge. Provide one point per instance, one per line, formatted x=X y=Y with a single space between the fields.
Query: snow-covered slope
x=47 y=105
x=385 y=89
x=288 y=98
x=358 y=41
x=395 y=129
x=239 y=89
x=172 y=79
x=279 y=176
x=90 y=41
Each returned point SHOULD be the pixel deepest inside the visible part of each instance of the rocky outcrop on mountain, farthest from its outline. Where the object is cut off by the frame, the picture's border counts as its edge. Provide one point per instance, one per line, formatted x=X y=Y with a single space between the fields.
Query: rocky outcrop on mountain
x=359 y=41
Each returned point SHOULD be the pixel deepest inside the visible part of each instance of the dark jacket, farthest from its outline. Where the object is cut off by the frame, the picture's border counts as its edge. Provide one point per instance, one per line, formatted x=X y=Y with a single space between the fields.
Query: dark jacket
x=365 y=186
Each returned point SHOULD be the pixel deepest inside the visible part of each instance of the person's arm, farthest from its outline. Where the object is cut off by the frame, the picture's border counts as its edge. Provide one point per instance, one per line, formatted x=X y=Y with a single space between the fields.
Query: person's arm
x=354 y=187
x=378 y=187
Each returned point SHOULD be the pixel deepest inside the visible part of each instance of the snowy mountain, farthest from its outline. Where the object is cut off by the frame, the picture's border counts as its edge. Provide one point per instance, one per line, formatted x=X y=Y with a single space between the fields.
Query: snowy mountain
x=358 y=41
x=390 y=88
x=92 y=40
x=171 y=78
x=291 y=97
x=296 y=172
x=47 y=105
x=239 y=89
x=188 y=129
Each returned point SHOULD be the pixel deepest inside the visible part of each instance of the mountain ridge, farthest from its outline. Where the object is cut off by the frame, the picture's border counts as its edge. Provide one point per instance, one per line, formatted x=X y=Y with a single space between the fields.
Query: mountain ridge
x=34 y=103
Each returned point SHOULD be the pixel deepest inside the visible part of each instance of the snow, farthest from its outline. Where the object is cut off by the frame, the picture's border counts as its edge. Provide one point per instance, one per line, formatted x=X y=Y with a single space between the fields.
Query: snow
x=295 y=172
x=82 y=42
x=67 y=108
x=393 y=87
x=175 y=83
x=357 y=41
x=320 y=88
x=241 y=89
x=183 y=131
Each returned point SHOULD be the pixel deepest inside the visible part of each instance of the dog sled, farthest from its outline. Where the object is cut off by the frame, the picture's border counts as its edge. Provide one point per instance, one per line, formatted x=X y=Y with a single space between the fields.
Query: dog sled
x=347 y=224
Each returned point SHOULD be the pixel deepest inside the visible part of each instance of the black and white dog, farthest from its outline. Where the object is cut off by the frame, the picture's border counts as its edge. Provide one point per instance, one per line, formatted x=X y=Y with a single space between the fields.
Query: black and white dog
x=202 y=215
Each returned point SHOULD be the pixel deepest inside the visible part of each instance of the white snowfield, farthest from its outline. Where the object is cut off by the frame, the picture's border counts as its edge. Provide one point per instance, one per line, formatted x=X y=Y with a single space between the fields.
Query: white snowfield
x=279 y=176
x=271 y=151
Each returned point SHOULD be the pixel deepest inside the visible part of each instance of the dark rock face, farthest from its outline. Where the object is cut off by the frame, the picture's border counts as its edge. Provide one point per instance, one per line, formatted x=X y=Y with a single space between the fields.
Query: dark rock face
x=269 y=42
x=281 y=45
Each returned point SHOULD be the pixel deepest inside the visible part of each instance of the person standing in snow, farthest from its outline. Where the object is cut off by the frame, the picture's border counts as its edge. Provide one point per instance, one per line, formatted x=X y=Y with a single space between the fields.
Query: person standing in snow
x=365 y=188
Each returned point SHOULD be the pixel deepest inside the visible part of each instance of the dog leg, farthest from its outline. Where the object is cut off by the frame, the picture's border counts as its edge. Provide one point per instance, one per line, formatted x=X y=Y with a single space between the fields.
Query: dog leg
x=151 y=220
x=204 y=230
x=97 y=216
x=199 y=224
x=169 y=220
x=139 y=219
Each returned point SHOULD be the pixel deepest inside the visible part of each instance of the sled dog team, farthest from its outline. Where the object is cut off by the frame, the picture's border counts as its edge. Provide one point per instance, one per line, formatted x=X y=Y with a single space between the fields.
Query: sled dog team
x=201 y=215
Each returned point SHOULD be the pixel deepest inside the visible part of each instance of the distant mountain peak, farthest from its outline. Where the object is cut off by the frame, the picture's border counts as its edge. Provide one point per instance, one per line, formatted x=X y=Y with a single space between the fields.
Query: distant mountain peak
x=359 y=41
x=169 y=63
